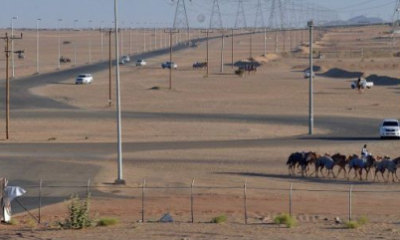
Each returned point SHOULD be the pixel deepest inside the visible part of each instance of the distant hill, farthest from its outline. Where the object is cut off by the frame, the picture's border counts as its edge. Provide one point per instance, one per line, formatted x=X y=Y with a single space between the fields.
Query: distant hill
x=359 y=20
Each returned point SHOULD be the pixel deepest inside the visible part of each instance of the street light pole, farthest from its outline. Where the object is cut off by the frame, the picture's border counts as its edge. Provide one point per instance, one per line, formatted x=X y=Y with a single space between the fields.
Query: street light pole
x=119 y=179
x=102 y=40
x=75 y=42
x=233 y=47
x=130 y=38
x=90 y=41
x=144 y=38
x=265 y=42
x=12 y=47
x=122 y=38
x=222 y=51
x=37 y=46
x=59 y=44
x=311 y=104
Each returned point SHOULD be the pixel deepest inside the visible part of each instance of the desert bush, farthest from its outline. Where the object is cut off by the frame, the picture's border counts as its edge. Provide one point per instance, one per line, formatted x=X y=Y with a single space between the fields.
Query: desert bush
x=355 y=224
x=78 y=213
x=13 y=222
x=31 y=223
x=362 y=220
x=352 y=224
x=104 y=222
x=285 y=219
x=219 y=219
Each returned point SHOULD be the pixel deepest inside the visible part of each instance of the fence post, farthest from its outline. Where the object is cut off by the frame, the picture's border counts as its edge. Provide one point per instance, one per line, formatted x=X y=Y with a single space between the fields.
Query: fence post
x=143 y=188
x=191 y=200
x=88 y=188
x=245 y=201
x=40 y=199
x=290 y=199
x=350 y=201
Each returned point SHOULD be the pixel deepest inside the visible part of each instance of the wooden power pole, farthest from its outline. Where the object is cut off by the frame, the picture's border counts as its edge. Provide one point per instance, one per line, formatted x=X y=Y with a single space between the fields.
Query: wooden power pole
x=207 y=32
x=8 y=41
x=171 y=32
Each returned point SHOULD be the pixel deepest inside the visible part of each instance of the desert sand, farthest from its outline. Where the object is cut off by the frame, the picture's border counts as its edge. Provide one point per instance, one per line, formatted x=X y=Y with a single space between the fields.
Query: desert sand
x=278 y=88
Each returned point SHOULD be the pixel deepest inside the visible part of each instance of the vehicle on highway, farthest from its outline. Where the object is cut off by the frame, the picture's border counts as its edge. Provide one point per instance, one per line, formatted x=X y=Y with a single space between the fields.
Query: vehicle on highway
x=84 y=79
x=169 y=64
x=126 y=58
x=389 y=128
x=364 y=84
x=141 y=63
x=307 y=73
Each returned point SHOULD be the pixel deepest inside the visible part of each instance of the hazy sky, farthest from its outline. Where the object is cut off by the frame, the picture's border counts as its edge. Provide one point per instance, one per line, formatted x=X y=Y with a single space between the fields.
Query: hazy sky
x=161 y=12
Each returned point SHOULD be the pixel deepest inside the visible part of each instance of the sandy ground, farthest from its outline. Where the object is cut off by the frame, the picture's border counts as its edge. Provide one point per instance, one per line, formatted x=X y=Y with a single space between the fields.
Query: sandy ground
x=278 y=88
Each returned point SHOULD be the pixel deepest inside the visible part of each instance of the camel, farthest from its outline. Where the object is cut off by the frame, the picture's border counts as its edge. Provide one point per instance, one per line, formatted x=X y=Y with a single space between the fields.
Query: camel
x=359 y=165
x=324 y=162
x=341 y=162
x=387 y=165
x=300 y=159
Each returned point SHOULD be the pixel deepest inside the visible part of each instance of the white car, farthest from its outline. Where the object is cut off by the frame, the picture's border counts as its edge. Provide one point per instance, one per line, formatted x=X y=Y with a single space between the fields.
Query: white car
x=307 y=74
x=126 y=58
x=169 y=65
x=84 y=79
x=364 y=84
x=141 y=62
x=389 y=128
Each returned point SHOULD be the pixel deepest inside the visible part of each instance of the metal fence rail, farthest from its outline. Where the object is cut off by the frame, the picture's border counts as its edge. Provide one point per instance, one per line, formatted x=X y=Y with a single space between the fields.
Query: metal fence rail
x=191 y=193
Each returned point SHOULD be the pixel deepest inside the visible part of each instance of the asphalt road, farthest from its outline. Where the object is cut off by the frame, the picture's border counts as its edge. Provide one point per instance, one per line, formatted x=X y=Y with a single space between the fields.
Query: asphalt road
x=25 y=163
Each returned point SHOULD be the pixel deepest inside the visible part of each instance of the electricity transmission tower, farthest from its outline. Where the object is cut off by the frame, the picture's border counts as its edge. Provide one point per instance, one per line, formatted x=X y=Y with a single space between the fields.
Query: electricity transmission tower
x=396 y=23
x=259 y=22
x=216 y=19
x=181 y=19
x=240 y=16
x=276 y=16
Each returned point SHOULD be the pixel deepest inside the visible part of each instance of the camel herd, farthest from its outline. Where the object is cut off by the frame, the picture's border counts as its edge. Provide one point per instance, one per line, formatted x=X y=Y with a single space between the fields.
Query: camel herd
x=306 y=160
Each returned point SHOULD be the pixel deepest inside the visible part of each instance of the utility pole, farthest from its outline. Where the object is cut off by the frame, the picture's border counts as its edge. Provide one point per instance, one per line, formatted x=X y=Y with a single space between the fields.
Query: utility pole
x=130 y=38
x=74 y=42
x=207 y=31
x=8 y=40
x=110 y=69
x=12 y=46
x=222 y=50
x=59 y=44
x=102 y=40
x=265 y=42
x=311 y=104
x=155 y=39
x=251 y=42
x=120 y=179
x=171 y=32
x=233 y=48
x=144 y=39
x=90 y=41
x=37 y=46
